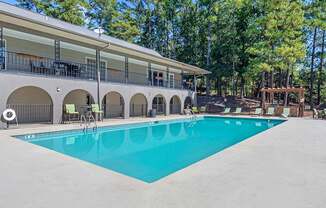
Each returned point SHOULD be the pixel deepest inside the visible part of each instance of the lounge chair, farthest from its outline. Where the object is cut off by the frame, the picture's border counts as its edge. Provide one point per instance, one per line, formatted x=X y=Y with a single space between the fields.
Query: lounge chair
x=226 y=110
x=270 y=111
x=286 y=112
x=97 y=111
x=237 y=110
x=258 y=112
x=323 y=114
x=315 y=114
x=70 y=110
x=194 y=110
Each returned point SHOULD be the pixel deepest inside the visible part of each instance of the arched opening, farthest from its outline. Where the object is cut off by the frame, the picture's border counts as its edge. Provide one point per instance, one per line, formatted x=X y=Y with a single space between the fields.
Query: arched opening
x=138 y=105
x=113 y=105
x=158 y=104
x=81 y=99
x=188 y=102
x=175 y=105
x=32 y=105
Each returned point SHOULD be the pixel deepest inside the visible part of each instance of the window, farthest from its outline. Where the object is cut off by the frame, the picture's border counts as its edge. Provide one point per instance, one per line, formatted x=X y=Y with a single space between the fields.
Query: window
x=91 y=63
x=158 y=78
x=171 y=80
x=3 y=61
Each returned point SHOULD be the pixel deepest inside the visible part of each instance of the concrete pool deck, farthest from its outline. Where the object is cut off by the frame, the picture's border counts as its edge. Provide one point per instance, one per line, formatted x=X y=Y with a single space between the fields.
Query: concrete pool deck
x=282 y=167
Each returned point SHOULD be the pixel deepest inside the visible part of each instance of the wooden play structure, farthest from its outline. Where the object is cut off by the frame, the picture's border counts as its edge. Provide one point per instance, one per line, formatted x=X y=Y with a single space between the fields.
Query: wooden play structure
x=298 y=90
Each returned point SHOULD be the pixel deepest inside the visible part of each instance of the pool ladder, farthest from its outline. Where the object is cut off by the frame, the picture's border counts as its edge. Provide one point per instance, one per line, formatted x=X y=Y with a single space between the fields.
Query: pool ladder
x=86 y=122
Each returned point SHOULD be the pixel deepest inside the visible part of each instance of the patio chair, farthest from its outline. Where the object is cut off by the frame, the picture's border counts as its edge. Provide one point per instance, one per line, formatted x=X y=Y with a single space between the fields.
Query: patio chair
x=226 y=110
x=258 y=112
x=96 y=110
x=286 y=112
x=194 y=110
x=315 y=114
x=203 y=109
x=270 y=111
x=323 y=114
x=71 y=111
x=237 y=110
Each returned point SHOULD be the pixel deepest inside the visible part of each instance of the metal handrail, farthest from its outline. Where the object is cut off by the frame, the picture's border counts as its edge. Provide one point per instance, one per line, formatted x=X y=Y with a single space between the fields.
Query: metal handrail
x=31 y=64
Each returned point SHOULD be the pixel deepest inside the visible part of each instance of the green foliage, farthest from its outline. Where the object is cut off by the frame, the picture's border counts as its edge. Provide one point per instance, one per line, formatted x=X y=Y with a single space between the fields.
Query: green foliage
x=72 y=11
x=236 y=40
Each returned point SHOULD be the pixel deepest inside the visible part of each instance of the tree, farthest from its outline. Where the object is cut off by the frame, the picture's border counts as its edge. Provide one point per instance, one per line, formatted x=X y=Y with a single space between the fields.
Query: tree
x=281 y=44
x=72 y=11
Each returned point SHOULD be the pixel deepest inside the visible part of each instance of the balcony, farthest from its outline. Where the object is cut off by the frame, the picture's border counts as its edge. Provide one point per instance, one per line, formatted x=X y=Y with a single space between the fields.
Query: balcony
x=14 y=62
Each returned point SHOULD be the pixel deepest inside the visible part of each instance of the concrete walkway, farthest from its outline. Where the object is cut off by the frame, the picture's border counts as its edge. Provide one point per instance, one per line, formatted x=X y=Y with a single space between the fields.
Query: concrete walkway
x=282 y=167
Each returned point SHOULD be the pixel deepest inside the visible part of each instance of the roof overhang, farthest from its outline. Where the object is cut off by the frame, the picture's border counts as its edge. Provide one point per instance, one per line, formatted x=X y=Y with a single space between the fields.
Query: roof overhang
x=21 y=18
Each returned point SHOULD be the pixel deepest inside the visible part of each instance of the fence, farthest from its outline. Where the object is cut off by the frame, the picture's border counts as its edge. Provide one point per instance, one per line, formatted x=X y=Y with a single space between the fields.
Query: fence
x=32 y=113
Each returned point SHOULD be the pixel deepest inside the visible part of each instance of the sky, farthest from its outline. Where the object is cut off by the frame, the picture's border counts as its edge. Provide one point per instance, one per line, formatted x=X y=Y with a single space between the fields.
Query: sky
x=9 y=1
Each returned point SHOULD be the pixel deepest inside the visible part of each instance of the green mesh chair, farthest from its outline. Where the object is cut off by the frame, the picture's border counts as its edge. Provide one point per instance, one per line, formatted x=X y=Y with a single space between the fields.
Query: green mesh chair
x=96 y=110
x=70 y=110
x=194 y=110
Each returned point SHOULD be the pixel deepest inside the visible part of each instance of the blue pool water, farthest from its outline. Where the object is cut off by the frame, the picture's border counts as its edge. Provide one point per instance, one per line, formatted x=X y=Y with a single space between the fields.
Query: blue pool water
x=150 y=151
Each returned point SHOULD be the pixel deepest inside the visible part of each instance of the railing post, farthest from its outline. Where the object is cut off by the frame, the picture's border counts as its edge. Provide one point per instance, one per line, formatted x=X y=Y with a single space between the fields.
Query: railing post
x=126 y=70
x=150 y=75
x=2 y=50
x=57 y=50
x=168 y=77
x=182 y=74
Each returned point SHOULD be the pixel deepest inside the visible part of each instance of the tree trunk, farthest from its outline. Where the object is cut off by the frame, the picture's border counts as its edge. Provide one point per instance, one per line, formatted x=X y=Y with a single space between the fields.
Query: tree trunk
x=286 y=86
x=242 y=87
x=312 y=69
x=271 y=85
x=262 y=95
x=320 y=75
x=208 y=59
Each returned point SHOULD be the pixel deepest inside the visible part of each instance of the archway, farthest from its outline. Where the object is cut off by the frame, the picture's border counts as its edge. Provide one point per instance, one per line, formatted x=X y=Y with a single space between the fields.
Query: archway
x=32 y=104
x=159 y=104
x=113 y=105
x=175 y=105
x=80 y=98
x=188 y=102
x=138 y=105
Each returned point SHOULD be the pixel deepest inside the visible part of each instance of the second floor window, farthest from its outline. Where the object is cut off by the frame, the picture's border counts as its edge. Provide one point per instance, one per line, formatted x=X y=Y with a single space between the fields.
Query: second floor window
x=92 y=63
x=171 y=80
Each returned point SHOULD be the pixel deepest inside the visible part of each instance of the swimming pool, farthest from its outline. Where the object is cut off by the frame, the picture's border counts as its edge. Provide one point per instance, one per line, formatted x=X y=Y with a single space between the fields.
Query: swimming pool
x=151 y=151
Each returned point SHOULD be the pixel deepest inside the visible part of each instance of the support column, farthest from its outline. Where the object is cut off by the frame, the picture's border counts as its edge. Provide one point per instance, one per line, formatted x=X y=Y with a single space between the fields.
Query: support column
x=126 y=70
x=98 y=71
x=126 y=109
x=195 y=90
x=167 y=108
